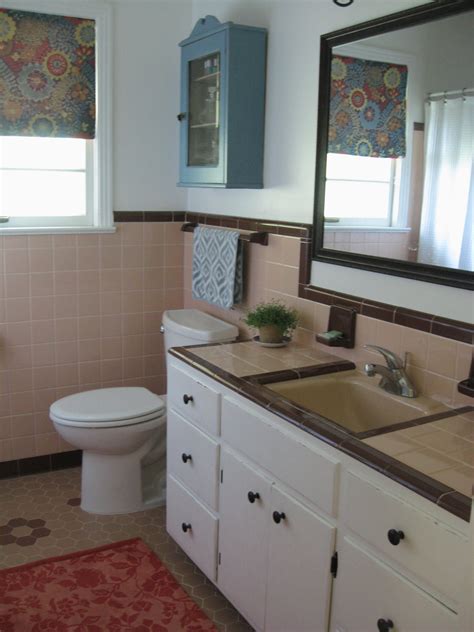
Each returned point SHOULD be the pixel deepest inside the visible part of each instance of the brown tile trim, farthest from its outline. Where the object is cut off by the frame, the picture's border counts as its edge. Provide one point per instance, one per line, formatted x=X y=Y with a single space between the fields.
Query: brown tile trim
x=457 y=504
x=301 y=372
x=38 y=464
x=436 y=325
x=334 y=435
x=288 y=229
x=419 y=421
x=149 y=216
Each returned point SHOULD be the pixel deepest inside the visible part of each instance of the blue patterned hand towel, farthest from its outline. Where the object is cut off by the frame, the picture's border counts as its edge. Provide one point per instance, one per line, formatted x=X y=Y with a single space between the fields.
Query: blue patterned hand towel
x=217 y=266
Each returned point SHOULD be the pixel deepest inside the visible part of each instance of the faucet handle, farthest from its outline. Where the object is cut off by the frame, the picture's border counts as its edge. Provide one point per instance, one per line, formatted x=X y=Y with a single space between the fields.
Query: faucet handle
x=393 y=361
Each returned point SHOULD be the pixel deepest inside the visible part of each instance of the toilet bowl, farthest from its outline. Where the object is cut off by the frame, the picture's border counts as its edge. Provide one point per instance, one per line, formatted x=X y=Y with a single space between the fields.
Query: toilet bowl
x=122 y=430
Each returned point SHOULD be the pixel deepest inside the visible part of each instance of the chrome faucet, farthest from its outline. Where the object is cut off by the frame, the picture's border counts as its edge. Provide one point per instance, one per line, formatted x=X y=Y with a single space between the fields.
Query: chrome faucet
x=394 y=377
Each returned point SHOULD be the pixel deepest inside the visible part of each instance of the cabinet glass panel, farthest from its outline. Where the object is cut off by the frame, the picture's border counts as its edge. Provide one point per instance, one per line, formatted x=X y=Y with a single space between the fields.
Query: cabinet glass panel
x=203 y=128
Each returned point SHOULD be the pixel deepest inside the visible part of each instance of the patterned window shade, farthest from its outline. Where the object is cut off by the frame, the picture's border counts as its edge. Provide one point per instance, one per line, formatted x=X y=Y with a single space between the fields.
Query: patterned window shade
x=367 y=113
x=47 y=75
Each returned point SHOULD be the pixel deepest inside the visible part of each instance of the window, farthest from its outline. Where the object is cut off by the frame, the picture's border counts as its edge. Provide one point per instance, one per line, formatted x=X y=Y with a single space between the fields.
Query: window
x=362 y=191
x=58 y=178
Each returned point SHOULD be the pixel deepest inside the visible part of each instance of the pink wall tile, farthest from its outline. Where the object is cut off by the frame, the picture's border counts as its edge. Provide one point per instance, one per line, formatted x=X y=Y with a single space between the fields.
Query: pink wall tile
x=80 y=311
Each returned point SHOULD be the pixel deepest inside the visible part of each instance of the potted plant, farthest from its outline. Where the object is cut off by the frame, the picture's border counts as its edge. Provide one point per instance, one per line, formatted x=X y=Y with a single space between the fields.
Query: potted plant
x=273 y=320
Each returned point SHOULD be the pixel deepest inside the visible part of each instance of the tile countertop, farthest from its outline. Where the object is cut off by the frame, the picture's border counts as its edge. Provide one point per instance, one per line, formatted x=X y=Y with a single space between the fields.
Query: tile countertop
x=433 y=456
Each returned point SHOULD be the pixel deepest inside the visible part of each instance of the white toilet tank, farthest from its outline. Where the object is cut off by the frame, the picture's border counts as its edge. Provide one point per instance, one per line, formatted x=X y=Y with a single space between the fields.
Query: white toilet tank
x=192 y=327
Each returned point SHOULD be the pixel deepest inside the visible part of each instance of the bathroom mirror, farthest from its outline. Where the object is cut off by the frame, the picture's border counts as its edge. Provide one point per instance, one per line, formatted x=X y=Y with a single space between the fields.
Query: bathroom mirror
x=394 y=167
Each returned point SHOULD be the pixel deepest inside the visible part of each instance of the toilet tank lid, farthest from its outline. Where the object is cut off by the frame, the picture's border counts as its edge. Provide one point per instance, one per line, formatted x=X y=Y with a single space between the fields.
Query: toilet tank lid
x=196 y=324
x=108 y=404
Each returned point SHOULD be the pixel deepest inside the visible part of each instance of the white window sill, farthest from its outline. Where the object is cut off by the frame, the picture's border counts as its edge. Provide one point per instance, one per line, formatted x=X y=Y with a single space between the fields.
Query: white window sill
x=56 y=230
x=366 y=229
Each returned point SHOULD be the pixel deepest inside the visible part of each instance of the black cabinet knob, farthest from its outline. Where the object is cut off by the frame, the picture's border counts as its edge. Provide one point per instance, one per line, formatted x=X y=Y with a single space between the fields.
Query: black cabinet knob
x=384 y=625
x=187 y=399
x=253 y=496
x=186 y=457
x=395 y=536
x=186 y=526
x=181 y=116
x=278 y=516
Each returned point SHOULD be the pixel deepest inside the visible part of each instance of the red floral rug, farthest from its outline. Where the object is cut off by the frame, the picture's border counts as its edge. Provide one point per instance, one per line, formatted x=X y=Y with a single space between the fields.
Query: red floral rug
x=121 y=587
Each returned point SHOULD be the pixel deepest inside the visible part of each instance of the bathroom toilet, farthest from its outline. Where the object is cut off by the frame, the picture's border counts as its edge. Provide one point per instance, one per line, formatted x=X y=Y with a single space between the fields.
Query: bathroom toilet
x=122 y=430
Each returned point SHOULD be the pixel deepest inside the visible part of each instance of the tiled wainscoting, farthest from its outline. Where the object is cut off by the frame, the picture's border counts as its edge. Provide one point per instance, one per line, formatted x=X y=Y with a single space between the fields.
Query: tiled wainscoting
x=84 y=311
x=380 y=243
x=435 y=363
x=79 y=312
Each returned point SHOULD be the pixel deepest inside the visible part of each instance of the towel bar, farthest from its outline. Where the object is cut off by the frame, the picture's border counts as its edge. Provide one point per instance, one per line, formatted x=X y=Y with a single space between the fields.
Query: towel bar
x=254 y=238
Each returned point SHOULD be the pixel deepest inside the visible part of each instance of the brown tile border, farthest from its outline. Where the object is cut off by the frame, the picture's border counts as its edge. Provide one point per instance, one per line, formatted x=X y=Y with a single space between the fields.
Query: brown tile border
x=149 y=216
x=419 y=421
x=311 y=370
x=332 y=434
x=38 y=464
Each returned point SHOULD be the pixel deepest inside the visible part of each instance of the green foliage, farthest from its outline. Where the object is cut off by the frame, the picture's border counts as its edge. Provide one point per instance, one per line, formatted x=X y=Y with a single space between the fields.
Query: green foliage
x=272 y=313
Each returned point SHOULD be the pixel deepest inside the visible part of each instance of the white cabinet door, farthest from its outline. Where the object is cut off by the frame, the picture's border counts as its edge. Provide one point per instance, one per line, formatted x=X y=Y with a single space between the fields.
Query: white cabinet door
x=369 y=596
x=299 y=580
x=243 y=529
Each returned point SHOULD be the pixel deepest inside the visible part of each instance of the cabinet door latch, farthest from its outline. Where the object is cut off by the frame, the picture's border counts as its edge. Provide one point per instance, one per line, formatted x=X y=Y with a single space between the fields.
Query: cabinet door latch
x=334 y=564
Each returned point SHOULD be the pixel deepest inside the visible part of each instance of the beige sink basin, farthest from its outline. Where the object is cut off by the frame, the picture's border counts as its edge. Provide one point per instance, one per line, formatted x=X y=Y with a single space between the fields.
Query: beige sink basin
x=355 y=401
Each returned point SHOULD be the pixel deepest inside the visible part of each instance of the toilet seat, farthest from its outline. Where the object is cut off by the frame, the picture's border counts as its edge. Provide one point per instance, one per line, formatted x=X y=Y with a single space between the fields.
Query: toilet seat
x=108 y=408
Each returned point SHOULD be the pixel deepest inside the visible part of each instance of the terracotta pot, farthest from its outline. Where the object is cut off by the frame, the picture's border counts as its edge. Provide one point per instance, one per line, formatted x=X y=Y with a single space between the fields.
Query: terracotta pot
x=270 y=333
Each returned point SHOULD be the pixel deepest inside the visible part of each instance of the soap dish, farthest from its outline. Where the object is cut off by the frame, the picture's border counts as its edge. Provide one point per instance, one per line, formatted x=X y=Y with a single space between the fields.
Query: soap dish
x=283 y=343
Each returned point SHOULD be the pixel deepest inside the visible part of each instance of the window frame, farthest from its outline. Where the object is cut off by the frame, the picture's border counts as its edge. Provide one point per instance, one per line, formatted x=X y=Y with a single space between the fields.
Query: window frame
x=387 y=221
x=100 y=214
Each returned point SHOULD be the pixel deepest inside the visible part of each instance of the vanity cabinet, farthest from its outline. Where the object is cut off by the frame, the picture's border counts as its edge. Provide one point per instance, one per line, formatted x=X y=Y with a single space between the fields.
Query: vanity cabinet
x=274 y=552
x=222 y=105
x=262 y=507
x=369 y=595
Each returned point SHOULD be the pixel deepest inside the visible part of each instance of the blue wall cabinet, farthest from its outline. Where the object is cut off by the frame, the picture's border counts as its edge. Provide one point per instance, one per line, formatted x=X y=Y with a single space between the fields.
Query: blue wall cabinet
x=222 y=105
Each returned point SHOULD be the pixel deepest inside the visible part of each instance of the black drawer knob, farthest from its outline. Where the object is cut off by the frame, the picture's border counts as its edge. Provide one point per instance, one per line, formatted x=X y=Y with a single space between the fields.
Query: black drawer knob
x=253 y=496
x=181 y=116
x=278 y=516
x=384 y=625
x=187 y=399
x=394 y=536
x=186 y=457
x=186 y=526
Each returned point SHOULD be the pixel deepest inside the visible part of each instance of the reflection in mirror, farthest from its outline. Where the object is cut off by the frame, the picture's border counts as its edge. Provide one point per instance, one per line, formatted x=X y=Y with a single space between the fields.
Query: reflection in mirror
x=399 y=177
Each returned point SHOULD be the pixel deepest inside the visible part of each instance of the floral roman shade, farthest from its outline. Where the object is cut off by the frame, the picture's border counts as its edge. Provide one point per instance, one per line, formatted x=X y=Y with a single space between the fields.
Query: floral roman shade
x=47 y=75
x=367 y=113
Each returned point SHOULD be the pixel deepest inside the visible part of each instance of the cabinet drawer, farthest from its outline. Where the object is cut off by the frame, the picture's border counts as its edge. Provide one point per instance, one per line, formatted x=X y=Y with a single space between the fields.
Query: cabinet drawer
x=203 y=403
x=295 y=464
x=382 y=594
x=428 y=547
x=200 y=540
x=193 y=457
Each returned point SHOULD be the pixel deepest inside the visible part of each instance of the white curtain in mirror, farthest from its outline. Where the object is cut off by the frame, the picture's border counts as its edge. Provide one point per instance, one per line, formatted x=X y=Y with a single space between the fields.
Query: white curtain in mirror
x=447 y=222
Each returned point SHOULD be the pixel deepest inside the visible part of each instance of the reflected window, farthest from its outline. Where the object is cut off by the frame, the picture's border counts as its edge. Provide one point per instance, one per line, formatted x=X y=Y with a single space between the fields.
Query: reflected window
x=362 y=191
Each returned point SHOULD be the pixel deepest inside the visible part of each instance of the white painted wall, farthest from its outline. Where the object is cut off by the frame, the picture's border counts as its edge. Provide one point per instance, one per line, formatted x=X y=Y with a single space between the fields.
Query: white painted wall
x=295 y=27
x=145 y=103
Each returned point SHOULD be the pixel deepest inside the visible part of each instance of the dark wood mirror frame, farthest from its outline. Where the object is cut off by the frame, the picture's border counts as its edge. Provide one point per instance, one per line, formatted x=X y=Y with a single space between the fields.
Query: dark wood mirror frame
x=423 y=272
